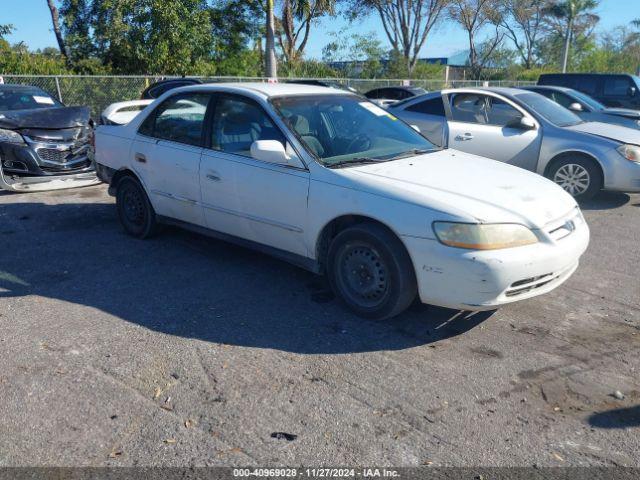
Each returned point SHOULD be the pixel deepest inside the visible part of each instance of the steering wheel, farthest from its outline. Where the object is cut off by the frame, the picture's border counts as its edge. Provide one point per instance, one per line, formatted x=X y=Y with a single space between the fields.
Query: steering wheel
x=362 y=141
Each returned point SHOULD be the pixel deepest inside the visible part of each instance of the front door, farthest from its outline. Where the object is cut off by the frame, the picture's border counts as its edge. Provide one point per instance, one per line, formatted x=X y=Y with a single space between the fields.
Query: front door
x=486 y=125
x=256 y=200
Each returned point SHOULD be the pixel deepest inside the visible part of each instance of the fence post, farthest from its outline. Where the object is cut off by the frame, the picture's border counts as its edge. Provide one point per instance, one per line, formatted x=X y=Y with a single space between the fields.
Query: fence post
x=58 y=89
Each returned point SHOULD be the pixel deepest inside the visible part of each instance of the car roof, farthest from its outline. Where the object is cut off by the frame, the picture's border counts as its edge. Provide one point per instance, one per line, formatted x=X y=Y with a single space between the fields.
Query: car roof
x=573 y=74
x=509 y=91
x=264 y=89
x=548 y=87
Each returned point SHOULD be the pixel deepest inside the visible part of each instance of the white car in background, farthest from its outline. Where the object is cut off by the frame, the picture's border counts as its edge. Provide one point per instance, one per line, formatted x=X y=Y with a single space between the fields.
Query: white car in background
x=121 y=113
x=335 y=184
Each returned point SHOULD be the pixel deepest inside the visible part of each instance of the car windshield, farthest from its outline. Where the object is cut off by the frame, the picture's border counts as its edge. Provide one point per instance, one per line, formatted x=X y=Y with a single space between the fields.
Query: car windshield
x=549 y=109
x=346 y=129
x=590 y=101
x=25 y=99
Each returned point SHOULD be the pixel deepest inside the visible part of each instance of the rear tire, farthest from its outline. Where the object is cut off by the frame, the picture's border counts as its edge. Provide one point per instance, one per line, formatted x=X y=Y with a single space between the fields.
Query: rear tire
x=580 y=177
x=134 y=209
x=371 y=272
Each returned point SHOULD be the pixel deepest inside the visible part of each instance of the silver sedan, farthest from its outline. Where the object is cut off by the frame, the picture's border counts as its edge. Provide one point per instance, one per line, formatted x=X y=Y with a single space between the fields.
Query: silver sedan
x=530 y=131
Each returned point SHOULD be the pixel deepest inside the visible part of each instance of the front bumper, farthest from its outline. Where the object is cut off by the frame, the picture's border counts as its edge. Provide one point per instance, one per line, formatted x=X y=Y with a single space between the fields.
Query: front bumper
x=484 y=280
x=22 y=169
x=620 y=174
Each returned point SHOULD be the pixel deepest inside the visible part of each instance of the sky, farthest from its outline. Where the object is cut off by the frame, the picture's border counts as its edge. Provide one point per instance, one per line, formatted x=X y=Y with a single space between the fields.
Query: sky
x=32 y=23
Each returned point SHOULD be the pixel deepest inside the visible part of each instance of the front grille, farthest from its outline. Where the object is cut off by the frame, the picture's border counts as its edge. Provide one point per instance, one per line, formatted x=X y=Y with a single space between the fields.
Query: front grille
x=71 y=157
x=53 y=155
x=563 y=227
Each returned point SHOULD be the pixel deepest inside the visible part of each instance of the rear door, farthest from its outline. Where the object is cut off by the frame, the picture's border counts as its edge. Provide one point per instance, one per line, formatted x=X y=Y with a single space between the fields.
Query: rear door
x=166 y=154
x=483 y=124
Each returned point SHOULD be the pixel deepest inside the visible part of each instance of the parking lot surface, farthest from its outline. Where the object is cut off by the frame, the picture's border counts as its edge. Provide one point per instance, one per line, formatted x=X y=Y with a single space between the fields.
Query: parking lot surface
x=182 y=350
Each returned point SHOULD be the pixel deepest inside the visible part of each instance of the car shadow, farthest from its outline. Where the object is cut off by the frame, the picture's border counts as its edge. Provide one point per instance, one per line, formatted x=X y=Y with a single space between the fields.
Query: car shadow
x=606 y=201
x=617 y=418
x=189 y=285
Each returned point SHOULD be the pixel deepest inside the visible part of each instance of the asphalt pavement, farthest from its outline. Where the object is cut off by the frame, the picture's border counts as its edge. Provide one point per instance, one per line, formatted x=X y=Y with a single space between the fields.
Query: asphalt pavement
x=182 y=350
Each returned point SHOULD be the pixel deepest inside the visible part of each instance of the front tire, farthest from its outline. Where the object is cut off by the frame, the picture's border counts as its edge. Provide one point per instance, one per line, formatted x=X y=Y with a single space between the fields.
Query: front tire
x=134 y=209
x=370 y=270
x=578 y=176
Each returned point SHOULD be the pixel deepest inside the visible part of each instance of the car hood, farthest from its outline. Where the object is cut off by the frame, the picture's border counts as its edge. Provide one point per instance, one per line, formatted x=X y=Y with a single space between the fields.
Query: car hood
x=45 y=118
x=466 y=186
x=607 y=130
x=622 y=112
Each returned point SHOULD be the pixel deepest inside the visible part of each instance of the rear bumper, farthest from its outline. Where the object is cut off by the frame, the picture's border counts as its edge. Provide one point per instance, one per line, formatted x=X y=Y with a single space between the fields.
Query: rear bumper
x=485 y=280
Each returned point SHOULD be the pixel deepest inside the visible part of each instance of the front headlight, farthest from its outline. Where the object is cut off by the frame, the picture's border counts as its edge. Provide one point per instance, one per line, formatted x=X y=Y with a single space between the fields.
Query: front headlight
x=630 y=152
x=475 y=236
x=10 y=136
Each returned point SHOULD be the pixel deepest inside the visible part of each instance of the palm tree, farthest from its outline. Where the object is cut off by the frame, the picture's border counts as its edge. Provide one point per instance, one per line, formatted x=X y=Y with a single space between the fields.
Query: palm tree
x=569 y=11
x=271 y=67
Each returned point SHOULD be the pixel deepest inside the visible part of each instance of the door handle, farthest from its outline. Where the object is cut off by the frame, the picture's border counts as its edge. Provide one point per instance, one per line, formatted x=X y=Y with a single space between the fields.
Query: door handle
x=213 y=177
x=464 y=138
x=140 y=158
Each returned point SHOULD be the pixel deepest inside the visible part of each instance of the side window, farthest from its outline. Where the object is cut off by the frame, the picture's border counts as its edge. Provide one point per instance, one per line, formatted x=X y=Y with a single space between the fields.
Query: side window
x=238 y=123
x=178 y=119
x=434 y=106
x=500 y=113
x=374 y=94
x=469 y=108
x=617 y=86
x=587 y=84
x=562 y=99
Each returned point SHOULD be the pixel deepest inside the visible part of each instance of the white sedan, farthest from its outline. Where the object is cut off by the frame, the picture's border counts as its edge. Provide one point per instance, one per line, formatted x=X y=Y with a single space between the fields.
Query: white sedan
x=333 y=183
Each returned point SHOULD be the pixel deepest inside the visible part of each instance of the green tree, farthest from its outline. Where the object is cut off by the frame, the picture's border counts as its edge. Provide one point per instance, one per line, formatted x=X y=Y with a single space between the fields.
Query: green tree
x=406 y=23
x=296 y=21
x=569 y=17
x=476 y=16
x=522 y=23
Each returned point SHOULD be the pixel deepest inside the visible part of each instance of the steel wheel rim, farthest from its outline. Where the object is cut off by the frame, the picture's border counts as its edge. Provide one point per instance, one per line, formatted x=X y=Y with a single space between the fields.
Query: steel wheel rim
x=364 y=275
x=133 y=206
x=573 y=178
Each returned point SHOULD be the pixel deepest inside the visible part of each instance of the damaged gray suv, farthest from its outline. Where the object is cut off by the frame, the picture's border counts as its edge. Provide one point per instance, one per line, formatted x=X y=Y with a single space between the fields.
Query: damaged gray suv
x=43 y=144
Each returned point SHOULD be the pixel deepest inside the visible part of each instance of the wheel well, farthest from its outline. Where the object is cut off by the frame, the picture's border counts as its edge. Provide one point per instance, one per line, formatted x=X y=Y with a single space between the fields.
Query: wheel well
x=119 y=175
x=334 y=227
x=565 y=155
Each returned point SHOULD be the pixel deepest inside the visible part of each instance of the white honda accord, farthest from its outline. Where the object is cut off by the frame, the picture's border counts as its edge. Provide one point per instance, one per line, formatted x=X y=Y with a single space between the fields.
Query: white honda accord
x=331 y=182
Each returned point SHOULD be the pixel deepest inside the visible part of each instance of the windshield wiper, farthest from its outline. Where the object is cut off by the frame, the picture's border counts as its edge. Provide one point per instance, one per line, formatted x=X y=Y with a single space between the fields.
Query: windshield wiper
x=410 y=153
x=355 y=161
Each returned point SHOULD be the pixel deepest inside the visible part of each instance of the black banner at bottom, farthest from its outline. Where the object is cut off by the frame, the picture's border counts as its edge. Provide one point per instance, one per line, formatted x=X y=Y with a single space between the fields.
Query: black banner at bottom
x=401 y=473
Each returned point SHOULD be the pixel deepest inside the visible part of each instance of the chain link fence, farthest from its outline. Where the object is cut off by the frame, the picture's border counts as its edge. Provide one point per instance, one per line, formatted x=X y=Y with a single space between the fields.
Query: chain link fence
x=100 y=91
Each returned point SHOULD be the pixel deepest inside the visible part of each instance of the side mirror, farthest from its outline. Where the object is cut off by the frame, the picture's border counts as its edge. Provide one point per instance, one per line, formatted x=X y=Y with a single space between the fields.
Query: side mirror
x=633 y=91
x=271 y=151
x=575 y=107
x=522 y=123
